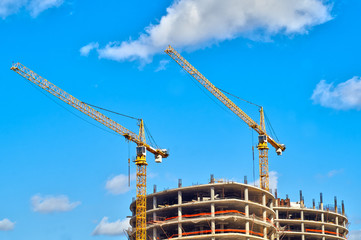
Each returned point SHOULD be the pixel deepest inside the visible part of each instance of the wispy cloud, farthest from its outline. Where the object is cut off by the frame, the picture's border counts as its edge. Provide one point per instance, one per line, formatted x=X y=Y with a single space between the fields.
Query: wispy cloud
x=329 y=174
x=273 y=180
x=334 y=172
x=6 y=225
x=355 y=235
x=84 y=51
x=193 y=24
x=343 y=96
x=111 y=228
x=162 y=65
x=50 y=204
x=119 y=184
x=35 y=7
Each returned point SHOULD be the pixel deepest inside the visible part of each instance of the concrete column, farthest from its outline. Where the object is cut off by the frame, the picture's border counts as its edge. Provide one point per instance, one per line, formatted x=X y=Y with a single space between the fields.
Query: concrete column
x=179 y=214
x=154 y=233
x=212 y=193
x=155 y=217
x=264 y=210
x=337 y=229
x=277 y=224
x=264 y=233
x=213 y=224
x=155 y=202
x=264 y=199
x=302 y=225
x=246 y=209
x=264 y=215
x=323 y=220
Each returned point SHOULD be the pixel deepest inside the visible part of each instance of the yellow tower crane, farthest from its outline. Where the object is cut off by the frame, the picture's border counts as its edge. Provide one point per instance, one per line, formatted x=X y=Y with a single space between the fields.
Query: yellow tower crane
x=263 y=137
x=142 y=146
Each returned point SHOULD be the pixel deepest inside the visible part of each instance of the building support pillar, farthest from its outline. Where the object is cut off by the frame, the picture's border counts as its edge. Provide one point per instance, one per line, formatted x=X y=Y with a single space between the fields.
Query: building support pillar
x=179 y=214
x=323 y=225
x=246 y=209
x=213 y=224
x=154 y=217
x=302 y=225
x=337 y=228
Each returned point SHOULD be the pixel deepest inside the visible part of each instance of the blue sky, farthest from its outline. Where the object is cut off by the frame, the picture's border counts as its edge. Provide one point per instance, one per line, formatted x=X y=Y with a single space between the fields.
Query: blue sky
x=63 y=178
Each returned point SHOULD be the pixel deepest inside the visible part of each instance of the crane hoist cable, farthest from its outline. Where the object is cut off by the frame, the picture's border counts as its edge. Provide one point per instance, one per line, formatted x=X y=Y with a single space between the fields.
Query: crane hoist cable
x=69 y=111
x=239 y=97
x=149 y=135
x=139 y=139
x=206 y=93
x=268 y=122
x=112 y=111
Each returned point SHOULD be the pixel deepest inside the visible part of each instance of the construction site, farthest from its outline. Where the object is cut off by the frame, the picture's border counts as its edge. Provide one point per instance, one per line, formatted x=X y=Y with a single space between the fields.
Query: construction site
x=219 y=209
x=230 y=210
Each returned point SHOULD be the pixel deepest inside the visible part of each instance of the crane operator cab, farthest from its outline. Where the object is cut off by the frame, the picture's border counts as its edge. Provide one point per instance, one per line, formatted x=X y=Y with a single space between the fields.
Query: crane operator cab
x=262 y=139
x=141 y=151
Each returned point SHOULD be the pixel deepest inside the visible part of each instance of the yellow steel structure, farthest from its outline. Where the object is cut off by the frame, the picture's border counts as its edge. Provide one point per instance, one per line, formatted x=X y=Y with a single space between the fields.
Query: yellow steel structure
x=142 y=146
x=264 y=138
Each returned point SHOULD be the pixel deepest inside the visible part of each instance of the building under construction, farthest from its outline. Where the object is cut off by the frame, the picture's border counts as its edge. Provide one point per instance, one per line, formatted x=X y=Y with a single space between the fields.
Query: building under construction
x=219 y=209
x=295 y=221
x=231 y=210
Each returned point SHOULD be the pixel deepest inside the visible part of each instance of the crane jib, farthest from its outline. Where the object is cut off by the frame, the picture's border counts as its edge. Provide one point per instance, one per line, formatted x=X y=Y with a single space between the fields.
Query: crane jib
x=218 y=94
x=81 y=106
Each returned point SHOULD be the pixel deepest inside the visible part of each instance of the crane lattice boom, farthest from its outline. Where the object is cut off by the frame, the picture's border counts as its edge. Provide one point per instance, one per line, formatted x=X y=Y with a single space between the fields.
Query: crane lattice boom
x=264 y=138
x=142 y=146
x=83 y=107
x=218 y=94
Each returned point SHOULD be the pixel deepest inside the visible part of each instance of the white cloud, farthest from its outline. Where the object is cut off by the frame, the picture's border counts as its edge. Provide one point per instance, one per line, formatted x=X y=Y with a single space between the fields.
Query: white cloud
x=345 y=95
x=51 y=204
x=355 y=235
x=273 y=180
x=111 y=228
x=329 y=174
x=334 y=172
x=162 y=65
x=118 y=184
x=35 y=7
x=9 y=7
x=84 y=51
x=192 y=24
x=6 y=225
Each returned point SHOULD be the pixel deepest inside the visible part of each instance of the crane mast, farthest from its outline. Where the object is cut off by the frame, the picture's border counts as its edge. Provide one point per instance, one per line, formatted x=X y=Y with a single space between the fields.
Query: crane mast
x=263 y=137
x=142 y=146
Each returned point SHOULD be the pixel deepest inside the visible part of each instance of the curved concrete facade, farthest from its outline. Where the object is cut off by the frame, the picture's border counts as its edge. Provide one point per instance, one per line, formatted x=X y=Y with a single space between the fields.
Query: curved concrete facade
x=300 y=223
x=222 y=210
